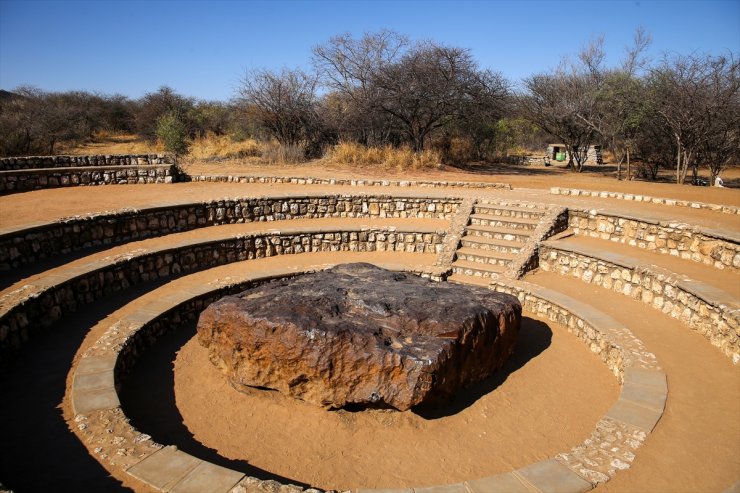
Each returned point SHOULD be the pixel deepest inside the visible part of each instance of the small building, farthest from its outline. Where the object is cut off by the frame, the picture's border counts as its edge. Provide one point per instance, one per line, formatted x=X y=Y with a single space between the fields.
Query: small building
x=557 y=152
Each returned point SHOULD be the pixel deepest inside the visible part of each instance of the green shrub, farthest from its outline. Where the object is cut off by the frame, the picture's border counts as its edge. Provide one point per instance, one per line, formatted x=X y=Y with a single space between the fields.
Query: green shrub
x=173 y=133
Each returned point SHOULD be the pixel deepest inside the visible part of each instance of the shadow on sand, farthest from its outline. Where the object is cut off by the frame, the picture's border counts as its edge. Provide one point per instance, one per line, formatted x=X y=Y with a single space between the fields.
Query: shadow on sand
x=534 y=339
x=39 y=451
x=148 y=398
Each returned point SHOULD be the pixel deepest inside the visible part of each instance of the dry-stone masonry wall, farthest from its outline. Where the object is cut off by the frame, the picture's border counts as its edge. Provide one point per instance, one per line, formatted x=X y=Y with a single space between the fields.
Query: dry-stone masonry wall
x=29 y=309
x=553 y=222
x=38 y=162
x=716 y=248
x=18 y=174
x=709 y=311
x=612 y=445
x=37 y=179
x=25 y=245
x=362 y=182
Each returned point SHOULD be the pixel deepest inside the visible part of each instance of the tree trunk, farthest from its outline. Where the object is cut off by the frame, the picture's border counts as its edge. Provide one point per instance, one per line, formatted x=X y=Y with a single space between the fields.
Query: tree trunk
x=685 y=165
x=678 y=162
x=629 y=170
x=713 y=174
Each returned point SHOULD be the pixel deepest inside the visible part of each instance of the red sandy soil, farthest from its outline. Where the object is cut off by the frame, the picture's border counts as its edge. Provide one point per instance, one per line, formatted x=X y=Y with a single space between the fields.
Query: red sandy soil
x=695 y=447
x=537 y=411
x=548 y=402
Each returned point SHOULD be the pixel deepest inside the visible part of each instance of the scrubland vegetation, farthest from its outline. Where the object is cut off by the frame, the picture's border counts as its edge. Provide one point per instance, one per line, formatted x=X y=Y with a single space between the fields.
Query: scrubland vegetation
x=385 y=101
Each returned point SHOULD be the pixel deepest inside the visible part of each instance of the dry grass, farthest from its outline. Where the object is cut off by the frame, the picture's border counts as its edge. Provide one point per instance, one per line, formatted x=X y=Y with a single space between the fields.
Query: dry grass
x=222 y=146
x=275 y=153
x=112 y=143
x=390 y=158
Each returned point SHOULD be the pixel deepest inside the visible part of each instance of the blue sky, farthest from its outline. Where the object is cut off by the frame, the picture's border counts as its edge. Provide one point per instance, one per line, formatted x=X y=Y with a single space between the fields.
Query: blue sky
x=202 y=49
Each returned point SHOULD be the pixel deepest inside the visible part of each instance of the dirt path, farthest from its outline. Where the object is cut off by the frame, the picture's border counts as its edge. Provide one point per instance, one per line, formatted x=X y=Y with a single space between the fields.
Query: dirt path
x=696 y=445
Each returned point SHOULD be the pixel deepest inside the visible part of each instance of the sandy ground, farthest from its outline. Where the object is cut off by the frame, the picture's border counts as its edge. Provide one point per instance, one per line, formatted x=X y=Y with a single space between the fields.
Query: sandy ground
x=696 y=445
x=45 y=205
x=593 y=177
x=535 y=411
x=530 y=411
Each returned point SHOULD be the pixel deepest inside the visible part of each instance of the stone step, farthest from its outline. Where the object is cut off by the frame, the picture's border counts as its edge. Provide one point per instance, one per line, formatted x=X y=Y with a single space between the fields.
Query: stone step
x=484 y=256
x=498 y=233
x=469 y=280
x=476 y=269
x=483 y=243
x=493 y=209
x=504 y=222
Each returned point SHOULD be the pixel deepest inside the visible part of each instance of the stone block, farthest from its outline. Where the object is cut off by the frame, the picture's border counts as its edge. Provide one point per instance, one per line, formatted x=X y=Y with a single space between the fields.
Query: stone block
x=644 y=396
x=445 y=488
x=93 y=381
x=550 y=476
x=386 y=490
x=634 y=414
x=647 y=378
x=95 y=364
x=208 y=478
x=501 y=483
x=84 y=402
x=164 y=468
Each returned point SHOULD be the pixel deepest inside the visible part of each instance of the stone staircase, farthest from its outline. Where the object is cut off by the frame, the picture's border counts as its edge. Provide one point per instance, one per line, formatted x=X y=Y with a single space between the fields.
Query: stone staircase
x=493 y=238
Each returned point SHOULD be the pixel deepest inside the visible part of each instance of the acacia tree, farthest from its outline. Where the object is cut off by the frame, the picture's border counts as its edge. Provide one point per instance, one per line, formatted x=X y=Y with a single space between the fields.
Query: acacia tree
x=432 y=87
x=347 y=67
x=153 y=105
x=419 y=87
x=171 y=130
x=34 y=121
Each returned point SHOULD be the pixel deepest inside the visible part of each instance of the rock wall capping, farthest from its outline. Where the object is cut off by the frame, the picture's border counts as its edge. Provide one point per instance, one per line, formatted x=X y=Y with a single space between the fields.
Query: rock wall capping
x=42 y=162
x=720 y=249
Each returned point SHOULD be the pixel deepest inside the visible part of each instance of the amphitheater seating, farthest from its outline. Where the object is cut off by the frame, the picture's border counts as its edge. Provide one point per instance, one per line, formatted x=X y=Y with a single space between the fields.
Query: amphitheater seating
x=20 y=174
x=230 y=244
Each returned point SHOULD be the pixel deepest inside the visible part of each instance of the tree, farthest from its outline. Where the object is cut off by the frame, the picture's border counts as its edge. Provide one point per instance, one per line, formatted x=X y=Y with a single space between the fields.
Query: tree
x=560 y=104
x=347 y=67
x=420 y=87
x=173 y=132
x=697 y=97
x=285 y=102
x=153 y=105
x=432 y=87
x=619 y=96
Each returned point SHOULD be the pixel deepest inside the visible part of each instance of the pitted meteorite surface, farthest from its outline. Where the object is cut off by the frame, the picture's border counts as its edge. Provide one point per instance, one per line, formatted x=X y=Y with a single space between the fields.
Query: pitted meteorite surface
x=359 y=334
